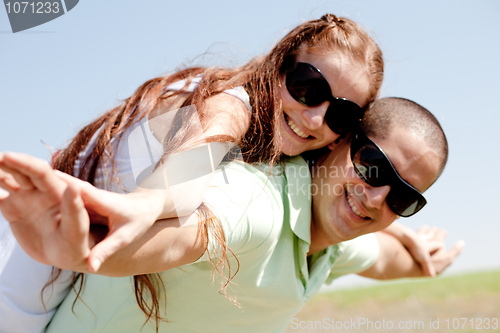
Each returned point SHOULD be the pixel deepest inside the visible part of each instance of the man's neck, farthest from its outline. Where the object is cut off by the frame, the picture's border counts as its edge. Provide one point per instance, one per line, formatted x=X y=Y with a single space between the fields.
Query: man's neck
x=319 y=241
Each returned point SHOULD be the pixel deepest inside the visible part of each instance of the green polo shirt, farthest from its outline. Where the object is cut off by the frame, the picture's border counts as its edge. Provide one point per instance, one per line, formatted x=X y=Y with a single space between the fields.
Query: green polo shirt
x=266 y=221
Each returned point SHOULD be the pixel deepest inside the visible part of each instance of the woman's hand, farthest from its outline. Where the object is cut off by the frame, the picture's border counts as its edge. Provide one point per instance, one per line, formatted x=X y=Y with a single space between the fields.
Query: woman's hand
x=42 y=210
x=51 y=214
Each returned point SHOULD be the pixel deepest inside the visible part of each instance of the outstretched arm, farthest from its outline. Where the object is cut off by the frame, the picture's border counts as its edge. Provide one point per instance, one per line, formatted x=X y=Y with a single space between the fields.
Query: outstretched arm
x=48 y=214
x=129 y=216
x=396 y=262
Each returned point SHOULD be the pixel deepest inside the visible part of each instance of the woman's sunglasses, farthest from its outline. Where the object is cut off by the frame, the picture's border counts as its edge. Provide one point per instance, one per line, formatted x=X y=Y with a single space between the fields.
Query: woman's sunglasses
x=373 y=166
x=308 y=86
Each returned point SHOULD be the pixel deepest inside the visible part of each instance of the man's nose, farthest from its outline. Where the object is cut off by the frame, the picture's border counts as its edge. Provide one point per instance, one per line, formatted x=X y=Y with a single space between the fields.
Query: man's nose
x=375 y=196
x=314 y=116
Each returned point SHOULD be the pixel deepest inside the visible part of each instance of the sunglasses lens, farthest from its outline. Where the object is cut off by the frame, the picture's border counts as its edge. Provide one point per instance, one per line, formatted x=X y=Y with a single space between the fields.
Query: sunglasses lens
x=372 y=166
x=375 y=169
x=405 y=201
x=343 y=116
x=307 y=86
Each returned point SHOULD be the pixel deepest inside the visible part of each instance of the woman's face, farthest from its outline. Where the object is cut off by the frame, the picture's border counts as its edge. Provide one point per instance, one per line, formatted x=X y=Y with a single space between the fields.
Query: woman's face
x=303 y=128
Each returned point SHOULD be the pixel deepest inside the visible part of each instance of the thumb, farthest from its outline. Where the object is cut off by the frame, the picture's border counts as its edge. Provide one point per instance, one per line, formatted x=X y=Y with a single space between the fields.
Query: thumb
x=426 y=265
x=423 y=258
x=114 y=241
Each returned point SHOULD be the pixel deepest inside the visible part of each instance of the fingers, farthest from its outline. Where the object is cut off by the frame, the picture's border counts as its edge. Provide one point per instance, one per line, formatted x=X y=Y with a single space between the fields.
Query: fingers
x=67 y=178
x=432 y=233
x=103 y=205
x=417 y=245
x=434 y=238
x=32 y=172
x=426 y=264
x=75 y=221
x=99 y=201
x=434 y=245
x=23 y=181
x=422 y=257
x=74 y=228
x=3 y=195
x=442 y=259
x=7 y=182
x=456 y=249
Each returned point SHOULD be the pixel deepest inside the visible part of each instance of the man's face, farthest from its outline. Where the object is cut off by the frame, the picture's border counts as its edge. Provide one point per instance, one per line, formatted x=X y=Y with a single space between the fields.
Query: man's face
x=345 y=207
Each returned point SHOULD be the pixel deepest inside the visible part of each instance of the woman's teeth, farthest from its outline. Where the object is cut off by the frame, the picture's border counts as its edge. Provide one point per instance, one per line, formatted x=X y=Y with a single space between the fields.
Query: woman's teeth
x=296 y=130
x=354 y=209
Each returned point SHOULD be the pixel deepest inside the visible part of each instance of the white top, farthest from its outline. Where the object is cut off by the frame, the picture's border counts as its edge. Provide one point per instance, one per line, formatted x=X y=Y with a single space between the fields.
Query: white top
x=21 y=282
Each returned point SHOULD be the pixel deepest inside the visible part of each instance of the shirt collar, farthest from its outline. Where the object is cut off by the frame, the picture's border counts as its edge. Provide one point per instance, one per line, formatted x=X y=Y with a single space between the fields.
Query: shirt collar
x=298 y=190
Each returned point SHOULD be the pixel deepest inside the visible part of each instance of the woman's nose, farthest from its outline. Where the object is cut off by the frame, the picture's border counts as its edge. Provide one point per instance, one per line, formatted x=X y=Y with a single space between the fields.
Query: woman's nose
x=314 y=116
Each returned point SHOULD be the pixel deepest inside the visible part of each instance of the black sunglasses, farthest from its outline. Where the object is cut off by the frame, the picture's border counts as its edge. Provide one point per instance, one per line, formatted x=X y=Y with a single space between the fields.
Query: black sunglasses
x=375 y=168
x=308 y=86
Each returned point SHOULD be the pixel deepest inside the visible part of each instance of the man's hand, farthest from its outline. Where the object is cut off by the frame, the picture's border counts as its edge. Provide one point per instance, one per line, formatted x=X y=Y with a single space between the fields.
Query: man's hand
x=416 y=246
x=434 y=240
x=395 y=261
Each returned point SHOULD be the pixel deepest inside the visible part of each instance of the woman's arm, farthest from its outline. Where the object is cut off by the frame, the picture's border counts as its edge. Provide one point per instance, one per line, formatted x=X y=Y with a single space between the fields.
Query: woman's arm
x=127 y=216
x=51 y=222
x=160 y=195
x=223 y=115
x=167 y=244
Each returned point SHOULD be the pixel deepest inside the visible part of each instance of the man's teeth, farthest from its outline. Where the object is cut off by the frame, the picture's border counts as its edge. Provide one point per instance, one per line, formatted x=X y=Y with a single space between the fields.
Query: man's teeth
x=296 y=129
x=354 y=209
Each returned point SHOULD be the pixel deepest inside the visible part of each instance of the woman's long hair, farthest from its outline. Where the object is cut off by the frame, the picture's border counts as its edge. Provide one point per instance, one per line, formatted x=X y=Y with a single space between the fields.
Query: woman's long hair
x=261 y=79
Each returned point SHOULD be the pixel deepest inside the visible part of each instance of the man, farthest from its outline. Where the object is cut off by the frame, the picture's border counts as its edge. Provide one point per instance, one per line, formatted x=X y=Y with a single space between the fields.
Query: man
x=283 y=255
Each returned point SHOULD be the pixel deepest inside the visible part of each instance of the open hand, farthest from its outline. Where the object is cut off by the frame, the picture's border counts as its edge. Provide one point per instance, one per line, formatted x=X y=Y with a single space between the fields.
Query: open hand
x=51 y=214
x=434 y=240
x=46 y=215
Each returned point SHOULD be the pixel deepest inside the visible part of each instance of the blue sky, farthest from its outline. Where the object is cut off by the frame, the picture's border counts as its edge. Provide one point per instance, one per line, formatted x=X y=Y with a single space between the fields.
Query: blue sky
x=57 y=77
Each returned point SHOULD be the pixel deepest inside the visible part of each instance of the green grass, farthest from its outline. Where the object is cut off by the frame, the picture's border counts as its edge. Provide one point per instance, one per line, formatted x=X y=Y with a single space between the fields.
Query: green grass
x=473 y=296
x=427 y=290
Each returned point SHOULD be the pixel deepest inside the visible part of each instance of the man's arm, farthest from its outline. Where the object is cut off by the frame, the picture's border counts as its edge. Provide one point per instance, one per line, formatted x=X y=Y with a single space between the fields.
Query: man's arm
x=395 y=261
x=415 y=244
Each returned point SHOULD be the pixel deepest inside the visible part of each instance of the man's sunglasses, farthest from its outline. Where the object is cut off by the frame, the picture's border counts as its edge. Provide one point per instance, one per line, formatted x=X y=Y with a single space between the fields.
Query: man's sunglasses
x=308 y=86
x=375 y=168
